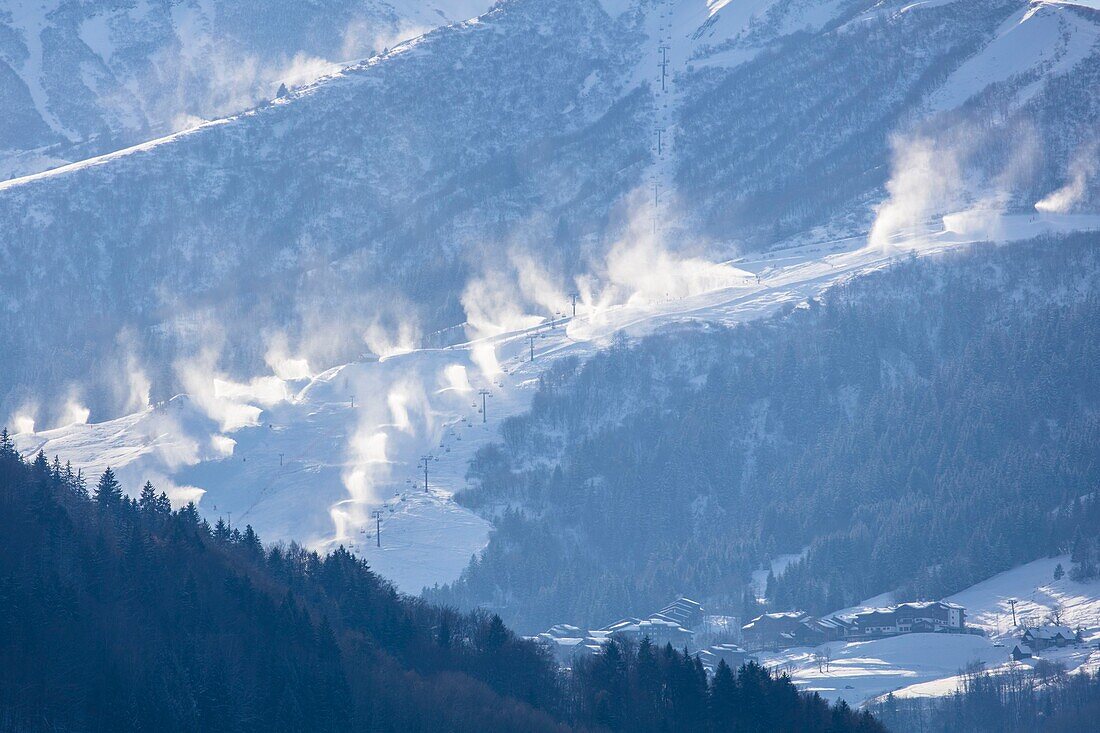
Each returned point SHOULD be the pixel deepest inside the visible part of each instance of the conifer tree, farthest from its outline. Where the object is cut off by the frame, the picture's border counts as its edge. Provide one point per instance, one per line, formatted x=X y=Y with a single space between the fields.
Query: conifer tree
x=251 y=542
x=147 y=501
x=108 y=492
x=41 y=465
x=723 y=692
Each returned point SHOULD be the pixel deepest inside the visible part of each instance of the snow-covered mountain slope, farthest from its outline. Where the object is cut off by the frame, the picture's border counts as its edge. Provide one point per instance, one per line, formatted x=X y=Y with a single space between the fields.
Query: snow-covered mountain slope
x=544 y=129
x=924 y=665
x=894 y=81
x=310 y=458
x=1038 y=595
x=84 y=78
x=371 y=188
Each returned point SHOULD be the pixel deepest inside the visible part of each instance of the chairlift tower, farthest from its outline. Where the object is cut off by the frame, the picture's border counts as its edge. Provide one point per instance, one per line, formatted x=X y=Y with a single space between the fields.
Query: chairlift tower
x=377 y=514
x=484 y=393
x=424 y=460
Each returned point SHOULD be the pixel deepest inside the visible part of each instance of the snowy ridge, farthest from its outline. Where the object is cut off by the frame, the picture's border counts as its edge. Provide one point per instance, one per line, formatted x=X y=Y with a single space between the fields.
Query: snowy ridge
x=1045 y=39
x=108 y=157
x=89 y=78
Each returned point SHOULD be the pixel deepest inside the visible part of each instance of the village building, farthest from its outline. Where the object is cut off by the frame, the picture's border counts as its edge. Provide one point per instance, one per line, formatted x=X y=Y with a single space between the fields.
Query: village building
x=909 y=618
x=797 y=628
x=833 y=628
x=733 y=655
x=660 y=631
x=1044 y=637
x=567 y=642
x=673 y=625
x=782 y=630
x=684 y=611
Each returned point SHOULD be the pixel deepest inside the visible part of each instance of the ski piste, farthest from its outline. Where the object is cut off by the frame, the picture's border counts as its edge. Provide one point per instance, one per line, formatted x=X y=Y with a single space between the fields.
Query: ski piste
x=318 y=456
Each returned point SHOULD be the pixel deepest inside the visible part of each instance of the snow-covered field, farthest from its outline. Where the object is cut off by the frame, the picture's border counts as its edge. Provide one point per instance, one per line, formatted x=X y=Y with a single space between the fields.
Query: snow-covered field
x=915 y=665
x=862 y=670
x=310 y=458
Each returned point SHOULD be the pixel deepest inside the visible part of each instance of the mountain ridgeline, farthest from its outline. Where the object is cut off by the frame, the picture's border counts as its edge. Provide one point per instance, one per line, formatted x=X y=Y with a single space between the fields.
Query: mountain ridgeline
x=81 y=79
x=124 y=615
x=919 y=430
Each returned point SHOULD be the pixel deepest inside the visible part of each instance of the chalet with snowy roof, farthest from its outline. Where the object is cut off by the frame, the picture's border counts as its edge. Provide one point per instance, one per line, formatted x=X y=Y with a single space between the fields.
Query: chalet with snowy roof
x=1044 y=637
x=684 y=611
x=1020 y=652
x=660 y=631
x=833 y=628
x=907 y=618
x=782 y=630
x=567 y=643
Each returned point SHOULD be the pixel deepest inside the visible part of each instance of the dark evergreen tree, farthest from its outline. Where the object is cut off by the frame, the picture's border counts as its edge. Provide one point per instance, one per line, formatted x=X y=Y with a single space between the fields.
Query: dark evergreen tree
x=108 y=492
x=147 y=501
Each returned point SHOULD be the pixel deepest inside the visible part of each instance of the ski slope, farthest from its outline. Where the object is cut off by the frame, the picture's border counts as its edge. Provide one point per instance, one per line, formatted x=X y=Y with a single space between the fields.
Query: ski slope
x=311 y=459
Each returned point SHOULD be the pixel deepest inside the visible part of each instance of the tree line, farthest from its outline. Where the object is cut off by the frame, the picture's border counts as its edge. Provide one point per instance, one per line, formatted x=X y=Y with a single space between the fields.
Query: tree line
x=1039 y=699
x=125 y=614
